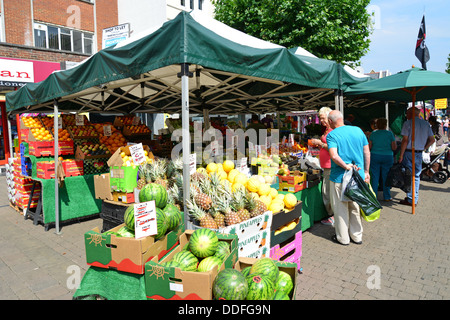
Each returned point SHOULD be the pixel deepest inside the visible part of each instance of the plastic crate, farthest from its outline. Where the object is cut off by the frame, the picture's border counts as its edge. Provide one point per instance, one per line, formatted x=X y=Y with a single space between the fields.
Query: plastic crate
x=289 y=250
x=26 y=166
x=113 y=212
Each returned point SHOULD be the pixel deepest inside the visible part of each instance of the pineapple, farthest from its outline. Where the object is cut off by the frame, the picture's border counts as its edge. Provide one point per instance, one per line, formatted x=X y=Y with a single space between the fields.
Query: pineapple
x=238 y=203
x=158 y=174
x=223 y=205
x=205 y=219
x=142 y=174
x=203 y=194
x=254 y=206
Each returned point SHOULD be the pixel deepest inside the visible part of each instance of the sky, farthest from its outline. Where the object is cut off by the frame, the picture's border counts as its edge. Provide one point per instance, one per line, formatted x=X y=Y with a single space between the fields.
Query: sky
x=396 y=26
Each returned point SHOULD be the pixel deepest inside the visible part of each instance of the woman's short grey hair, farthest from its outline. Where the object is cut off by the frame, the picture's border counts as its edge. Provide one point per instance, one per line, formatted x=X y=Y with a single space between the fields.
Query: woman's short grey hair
x=324 y=111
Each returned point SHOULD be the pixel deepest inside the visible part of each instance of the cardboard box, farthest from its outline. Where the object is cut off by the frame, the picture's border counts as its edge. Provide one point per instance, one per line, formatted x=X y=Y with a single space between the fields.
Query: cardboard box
x=256 y=245
x=102 y=187
x=289 y=268
x=289 y=251
x=123 y=197
x=124 y=178
x=292 y=183
x=279 y=238
x=170 y=283
x=124 y=253
x=72 y=168
x=46 y=170
x=283 y=217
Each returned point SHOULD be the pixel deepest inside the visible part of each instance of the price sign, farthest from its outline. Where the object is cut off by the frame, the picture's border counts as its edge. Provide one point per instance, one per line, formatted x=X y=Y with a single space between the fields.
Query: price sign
x=214 y=148
x=291 y=139
x=59 y=123
x=79 y=120
x=136 y=121
x=107 y=130
x=234 y=142
x=242 y=165
x=145 y=219
x=137 y=153
x=192 y=163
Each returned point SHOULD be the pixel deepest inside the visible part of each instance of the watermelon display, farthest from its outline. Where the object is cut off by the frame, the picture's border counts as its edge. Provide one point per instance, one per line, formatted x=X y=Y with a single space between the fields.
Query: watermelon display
x=187 y=260
x=230 y=284
x=260 y=287
x=173 y=215
x=223 y=250
x=266 y=266
x=208 y=264
x=203 y=242
x=161 y=222
x=125 y=232
x=156 y=192
x=280 y=295
x=284 y=283
x=128 y=218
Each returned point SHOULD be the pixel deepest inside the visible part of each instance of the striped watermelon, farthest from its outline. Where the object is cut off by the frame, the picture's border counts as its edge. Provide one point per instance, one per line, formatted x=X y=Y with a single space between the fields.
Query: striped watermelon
x=187 y=260
x=208 y=264
x=284 y=283
x=280 y=295
x=125 y=232
x=230 y=284
x=161 y=222
x=171 y=263
x=246 y=271
x=260 y=287
x=203 y=242
x=156 y=192
x=266 y=266
x=128 y=217
x=223 y=250
x=173 y=215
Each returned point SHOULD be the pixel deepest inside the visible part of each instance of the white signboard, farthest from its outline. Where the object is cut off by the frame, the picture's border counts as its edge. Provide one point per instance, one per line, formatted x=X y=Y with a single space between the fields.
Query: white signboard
x=137 y=153
x=114 y=35
x=145 y=219
x=15 y=71
x=192 y=163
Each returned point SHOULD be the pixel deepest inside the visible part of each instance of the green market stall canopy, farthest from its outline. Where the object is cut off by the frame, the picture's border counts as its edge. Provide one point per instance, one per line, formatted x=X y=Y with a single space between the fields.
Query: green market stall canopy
x=230 y=73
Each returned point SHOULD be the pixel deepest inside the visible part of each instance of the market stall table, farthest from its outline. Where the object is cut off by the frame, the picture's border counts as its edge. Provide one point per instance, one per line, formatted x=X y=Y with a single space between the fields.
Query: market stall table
x=313 y=209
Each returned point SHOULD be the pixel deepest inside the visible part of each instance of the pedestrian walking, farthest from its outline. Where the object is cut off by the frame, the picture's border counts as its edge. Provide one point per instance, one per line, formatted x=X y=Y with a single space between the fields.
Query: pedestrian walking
x=348 y=148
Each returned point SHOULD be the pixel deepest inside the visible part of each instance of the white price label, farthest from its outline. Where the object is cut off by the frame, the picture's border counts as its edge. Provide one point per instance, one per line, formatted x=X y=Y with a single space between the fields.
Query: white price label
x=79 y=120
x=242 y=165
x=136 y=121
x=214 y=148
x=234 y=142
x=107 y=130
x=59 y=123
x=137 y=153
x=192 y=163
x=145 y=219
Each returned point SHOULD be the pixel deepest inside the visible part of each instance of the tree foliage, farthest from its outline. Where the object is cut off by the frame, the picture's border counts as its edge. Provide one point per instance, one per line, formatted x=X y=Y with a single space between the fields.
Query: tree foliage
x=448 y=65
x=330 y=29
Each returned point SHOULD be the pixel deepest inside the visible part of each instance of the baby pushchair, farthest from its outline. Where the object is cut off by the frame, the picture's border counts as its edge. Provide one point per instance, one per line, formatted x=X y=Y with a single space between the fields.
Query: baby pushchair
x=434 y=170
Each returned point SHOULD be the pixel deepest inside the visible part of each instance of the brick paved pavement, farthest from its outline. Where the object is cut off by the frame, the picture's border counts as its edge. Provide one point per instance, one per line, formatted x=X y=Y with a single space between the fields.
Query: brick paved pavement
x=410 y=253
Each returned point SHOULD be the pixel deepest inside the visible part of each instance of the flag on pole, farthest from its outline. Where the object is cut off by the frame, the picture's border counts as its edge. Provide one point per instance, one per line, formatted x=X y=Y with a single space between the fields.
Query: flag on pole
x=422 y=52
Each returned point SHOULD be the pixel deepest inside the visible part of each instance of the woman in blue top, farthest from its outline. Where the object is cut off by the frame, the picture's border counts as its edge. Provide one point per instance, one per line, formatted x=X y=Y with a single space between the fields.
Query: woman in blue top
x=382 y=146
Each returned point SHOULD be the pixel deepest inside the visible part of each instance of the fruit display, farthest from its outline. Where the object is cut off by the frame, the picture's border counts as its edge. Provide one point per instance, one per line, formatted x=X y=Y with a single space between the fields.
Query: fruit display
x=261 y=281
x=31 y=122
x=63 y=134
x=70 y=120
x=128 y=161
x=136 y=129
x=99 y=127
x=86 y=131
x=121 y=121
x=41 y=134
x=219 y=198
x=94 y=149
x=114 y=141
x=95 y=166
x=201 y=254
x=154 y=192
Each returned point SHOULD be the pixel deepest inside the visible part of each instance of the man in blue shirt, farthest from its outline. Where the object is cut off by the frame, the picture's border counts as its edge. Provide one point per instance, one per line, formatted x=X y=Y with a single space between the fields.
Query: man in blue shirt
x=347 y=145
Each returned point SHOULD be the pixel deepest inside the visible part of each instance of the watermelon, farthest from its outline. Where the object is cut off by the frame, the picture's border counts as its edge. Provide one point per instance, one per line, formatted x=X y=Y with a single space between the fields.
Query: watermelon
x=187 y=260
x=128 y=217
x=260 y=287
x=171 y=263
x=112 y=233
x=161 y=222
x=173 y=215
x=125 y=232
x=223 y=250
x=284 y=283
x=156 y=192
x=230 y=284
x=246 y=271
x=203 y=242
x=280 y=295
x=208 y=264
x=265 y=266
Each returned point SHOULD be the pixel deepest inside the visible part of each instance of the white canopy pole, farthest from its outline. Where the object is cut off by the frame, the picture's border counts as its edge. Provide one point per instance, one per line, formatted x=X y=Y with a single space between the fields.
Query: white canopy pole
x=186 y=139
x=56 y=133
x=386 y=110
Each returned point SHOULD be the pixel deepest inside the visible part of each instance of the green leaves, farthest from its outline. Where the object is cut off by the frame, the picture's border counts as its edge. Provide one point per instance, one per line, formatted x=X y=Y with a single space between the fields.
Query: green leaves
x=336 y=30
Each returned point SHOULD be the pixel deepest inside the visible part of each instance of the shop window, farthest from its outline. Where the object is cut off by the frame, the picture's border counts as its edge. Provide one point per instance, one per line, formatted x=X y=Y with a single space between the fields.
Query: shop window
x=200 y=4
x=66 y=39
x=182 y=3
x=191 y=4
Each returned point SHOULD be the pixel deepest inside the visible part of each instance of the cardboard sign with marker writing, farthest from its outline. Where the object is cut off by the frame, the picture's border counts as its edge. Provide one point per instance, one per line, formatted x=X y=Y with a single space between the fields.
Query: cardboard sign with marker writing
x=145 y=219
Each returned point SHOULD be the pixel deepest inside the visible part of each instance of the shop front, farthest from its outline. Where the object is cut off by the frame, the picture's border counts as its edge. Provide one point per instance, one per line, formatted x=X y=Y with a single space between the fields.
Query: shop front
x=14 y=74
